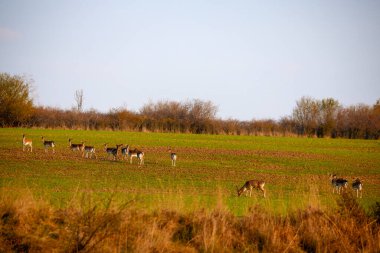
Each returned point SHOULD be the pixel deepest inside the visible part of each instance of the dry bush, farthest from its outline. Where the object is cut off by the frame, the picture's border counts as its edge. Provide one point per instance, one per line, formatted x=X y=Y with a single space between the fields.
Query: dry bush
x=28 y=225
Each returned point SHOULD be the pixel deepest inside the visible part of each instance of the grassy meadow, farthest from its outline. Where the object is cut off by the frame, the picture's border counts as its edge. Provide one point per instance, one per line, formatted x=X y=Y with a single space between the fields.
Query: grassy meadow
x=63 y=202
x=209 y=168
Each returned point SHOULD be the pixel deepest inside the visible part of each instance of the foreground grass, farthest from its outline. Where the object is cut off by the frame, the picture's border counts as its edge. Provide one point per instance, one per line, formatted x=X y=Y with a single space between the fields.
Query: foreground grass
x=208 y=170
x=85 y=225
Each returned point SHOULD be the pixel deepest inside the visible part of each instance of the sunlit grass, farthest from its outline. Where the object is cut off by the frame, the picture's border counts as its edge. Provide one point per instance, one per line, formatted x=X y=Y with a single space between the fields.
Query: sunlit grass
x=209 y=168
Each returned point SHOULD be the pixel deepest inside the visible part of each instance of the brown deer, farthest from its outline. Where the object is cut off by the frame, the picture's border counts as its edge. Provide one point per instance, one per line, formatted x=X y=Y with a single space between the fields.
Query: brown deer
x=26 y=143
x=249 y=186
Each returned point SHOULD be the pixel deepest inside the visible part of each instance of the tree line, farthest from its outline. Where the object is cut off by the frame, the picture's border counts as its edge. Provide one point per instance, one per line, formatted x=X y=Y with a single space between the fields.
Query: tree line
x=310 y=117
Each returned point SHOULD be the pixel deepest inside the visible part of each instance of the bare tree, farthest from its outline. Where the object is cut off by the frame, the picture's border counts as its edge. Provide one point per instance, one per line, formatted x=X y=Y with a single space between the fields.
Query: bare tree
x=327 y=118
x=306 y=115
x=79 y=100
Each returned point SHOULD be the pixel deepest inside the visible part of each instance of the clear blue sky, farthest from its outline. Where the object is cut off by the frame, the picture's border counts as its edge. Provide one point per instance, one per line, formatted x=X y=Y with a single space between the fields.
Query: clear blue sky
x=253 y=59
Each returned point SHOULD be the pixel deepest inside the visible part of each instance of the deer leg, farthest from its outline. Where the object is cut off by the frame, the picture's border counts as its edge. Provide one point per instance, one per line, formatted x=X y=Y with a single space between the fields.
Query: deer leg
x=263 y=192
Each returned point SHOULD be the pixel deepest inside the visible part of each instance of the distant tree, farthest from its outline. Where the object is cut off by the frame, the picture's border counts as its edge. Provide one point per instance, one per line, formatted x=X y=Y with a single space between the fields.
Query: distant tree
x=306 y=115
x=16 y=104
x=355 y=122
x=231 y=126
x=79 y=100
x=196 y=116
x=287 y=125
x=376 y=119
x=327 y=117
x=202 y=113
x=202 y=110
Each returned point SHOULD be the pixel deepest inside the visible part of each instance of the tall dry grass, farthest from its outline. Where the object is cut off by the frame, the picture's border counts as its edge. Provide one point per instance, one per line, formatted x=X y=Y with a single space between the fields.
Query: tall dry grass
x=31 y=225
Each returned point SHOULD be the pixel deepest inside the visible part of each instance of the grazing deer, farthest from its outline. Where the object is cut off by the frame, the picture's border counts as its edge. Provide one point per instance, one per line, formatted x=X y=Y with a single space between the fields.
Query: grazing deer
x=135 y=153
x=249 y=186
x=357 y=186
x=48 y=144
x=112 y=151
x=89 y=151
x=76 y=147
x=338 y=184
x=173 y=156
x=26 y=143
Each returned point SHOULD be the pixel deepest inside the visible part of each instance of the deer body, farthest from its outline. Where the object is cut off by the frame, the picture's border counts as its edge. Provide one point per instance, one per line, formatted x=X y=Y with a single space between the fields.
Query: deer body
x=48 y=144
x=76 y=147
x=112 y=151
x=338 y=184
x=357 y=186
x=135 y=153
x=173 y=156
x=250 y=185
x=124 y=152
x=26 y=144
x=89 y=151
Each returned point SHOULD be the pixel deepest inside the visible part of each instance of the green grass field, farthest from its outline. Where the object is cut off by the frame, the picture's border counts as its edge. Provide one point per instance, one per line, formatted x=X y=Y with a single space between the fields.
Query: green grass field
x=209 y=167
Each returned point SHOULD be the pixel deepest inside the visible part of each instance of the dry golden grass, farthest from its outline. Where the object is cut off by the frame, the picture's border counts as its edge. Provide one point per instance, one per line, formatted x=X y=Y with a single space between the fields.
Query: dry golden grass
x=30 y=225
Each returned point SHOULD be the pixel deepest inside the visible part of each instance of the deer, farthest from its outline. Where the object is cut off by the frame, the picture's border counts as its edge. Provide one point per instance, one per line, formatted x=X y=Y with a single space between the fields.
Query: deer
x=249 y=186
x=338 y=184
x=112 y=151
x=135 y=153
x=357 y=186
x=88 y=151
x=27 y=144
x=76 y=147
x=173 y=156
x=48 y=144
x=124 y=151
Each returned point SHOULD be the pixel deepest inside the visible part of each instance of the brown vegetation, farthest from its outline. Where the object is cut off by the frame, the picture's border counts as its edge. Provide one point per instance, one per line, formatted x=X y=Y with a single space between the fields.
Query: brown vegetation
x=30 y=226
x=310 y=117
x=15 y=100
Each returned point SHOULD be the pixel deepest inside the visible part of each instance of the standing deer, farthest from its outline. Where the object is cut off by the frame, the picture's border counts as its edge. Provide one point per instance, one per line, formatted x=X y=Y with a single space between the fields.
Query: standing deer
x=338 y=184
x=76 y=147
x=48 y=144
x=89 y=151
x=112 y=151
x=124 y=152
x=26 y=143
x=135 y=153
x=357 y=186
x=249 y=186
x=173 y=156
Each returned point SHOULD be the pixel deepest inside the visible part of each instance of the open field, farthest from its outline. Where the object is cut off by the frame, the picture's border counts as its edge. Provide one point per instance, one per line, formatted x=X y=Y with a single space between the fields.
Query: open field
x=63 y=202
x=209 y=167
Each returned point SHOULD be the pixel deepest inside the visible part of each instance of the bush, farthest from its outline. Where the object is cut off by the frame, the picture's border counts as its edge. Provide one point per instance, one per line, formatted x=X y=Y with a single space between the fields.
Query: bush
x=15 y=100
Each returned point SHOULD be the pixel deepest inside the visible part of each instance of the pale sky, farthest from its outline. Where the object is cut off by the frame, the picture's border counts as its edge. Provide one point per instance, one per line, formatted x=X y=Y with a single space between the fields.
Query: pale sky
x=253 y=59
